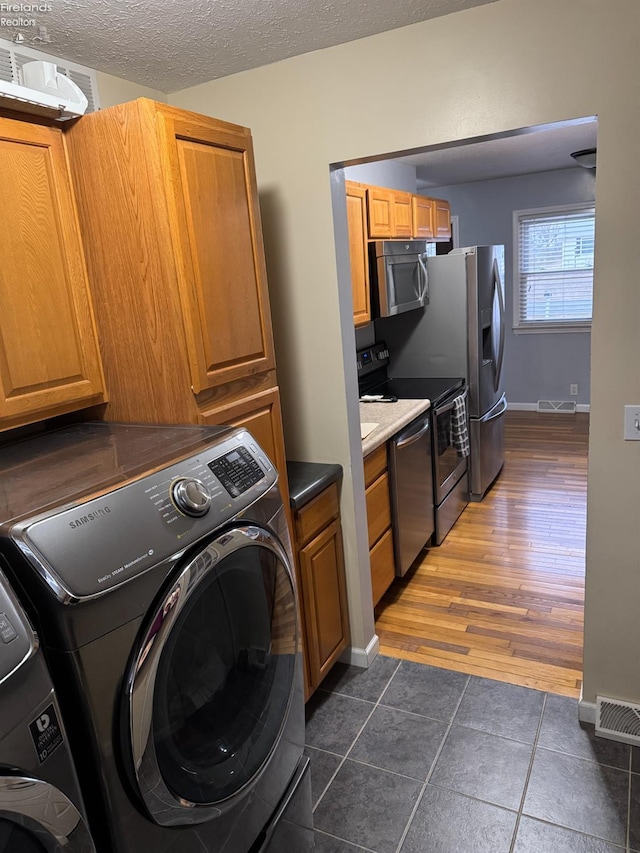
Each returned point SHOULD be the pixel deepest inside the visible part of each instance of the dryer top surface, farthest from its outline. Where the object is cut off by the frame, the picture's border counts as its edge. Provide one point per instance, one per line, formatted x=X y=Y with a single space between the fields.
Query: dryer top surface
x=63 y=466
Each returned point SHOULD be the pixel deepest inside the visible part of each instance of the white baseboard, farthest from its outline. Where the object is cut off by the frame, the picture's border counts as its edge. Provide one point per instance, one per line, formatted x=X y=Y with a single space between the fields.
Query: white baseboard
x=586 y=711
x=362 y=657
x=532 y=407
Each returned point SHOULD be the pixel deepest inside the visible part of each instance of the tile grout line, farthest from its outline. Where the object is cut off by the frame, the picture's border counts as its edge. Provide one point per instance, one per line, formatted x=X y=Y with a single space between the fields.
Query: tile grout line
x=431 y=769
x=528 y=777
x=627 y=845
x=344 y=757
x=337 y=838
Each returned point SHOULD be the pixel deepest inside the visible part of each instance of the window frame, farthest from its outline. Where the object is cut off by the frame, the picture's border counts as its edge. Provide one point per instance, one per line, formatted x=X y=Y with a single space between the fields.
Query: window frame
x=544 y=326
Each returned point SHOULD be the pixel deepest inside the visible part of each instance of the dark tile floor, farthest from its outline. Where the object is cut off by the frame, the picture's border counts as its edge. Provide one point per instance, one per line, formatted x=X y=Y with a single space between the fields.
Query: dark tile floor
x=410 y=758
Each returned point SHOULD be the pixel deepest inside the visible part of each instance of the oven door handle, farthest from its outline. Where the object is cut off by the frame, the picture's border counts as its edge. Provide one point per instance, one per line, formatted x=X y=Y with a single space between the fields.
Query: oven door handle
x=413 y=437
x=440 y=410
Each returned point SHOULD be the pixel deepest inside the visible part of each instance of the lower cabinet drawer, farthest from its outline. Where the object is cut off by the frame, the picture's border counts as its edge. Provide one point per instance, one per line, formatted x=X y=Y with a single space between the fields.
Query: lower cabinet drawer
x=382 y=566
x=378 y=508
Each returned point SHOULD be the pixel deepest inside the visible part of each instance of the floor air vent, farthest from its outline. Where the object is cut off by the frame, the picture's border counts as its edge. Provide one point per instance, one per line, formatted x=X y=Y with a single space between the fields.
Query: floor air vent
x=563 y=406
x=618 y=720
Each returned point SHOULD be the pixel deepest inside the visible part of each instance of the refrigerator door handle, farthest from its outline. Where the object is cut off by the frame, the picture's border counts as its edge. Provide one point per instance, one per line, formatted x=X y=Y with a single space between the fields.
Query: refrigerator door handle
x=499 y=409
x=498 y=287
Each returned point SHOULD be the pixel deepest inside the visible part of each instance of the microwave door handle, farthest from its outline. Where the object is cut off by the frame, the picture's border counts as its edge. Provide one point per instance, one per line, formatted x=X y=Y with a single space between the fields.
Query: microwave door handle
x=424 y=292
x=390 y=286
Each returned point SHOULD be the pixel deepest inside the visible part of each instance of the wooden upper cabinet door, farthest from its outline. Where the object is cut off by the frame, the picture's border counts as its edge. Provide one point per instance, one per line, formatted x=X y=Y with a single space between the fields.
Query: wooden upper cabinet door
x=402 y=215
x=49 y=359
x=215 y=221
x=380 y=204
x=423 y=217
x=358 y=253
x=442 y=214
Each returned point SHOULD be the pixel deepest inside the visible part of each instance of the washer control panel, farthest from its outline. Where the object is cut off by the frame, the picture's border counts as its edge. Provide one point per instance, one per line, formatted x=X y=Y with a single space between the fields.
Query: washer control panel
x=237 y=471
x=191 y=496
x=100 y=543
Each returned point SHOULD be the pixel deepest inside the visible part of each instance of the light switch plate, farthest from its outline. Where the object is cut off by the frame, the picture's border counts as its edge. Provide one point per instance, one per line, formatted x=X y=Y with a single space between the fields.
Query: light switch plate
x=632 y=423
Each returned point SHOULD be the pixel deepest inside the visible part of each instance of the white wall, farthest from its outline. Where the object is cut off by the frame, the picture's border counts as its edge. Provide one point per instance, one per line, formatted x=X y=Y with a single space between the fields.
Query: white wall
x=115 y=90
x=540 y=366
x=384 y=173
x=495 y=68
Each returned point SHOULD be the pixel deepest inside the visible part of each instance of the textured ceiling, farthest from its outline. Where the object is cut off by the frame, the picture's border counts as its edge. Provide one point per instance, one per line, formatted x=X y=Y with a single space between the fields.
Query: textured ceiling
x=534 y=150
x=174 y=44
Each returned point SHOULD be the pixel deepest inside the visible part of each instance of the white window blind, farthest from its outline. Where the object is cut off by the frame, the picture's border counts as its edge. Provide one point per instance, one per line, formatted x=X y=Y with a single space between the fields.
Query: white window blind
x=554 y=275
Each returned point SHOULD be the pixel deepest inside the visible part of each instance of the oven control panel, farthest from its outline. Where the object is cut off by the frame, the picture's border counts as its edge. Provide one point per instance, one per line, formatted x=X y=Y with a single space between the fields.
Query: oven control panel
x=372 y=358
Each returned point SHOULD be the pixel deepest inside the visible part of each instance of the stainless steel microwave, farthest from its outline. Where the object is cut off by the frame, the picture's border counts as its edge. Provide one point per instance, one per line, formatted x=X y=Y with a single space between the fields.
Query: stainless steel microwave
x=398 y=273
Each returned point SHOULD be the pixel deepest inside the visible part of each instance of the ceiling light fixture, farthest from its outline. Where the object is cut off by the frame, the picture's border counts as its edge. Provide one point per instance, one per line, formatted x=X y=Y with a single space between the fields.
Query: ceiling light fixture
x=586 y=157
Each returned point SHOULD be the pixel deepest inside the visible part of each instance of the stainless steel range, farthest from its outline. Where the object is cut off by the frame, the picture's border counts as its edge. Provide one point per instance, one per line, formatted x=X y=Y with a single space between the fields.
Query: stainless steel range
x=449 y=461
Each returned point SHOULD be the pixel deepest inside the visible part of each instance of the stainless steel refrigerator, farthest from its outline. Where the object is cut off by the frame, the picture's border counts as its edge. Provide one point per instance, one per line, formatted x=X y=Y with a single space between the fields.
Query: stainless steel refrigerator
x=461 y=332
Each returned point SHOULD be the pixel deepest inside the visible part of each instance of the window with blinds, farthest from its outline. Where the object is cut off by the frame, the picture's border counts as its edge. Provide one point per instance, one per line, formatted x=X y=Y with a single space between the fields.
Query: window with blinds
x=554 y=268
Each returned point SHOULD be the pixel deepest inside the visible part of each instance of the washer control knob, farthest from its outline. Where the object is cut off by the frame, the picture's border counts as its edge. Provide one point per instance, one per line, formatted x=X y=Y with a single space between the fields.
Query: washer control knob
x=191 y=496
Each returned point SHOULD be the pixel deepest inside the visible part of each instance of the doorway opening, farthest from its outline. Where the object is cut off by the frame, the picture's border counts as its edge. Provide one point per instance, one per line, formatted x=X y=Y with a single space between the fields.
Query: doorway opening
x=503 y=595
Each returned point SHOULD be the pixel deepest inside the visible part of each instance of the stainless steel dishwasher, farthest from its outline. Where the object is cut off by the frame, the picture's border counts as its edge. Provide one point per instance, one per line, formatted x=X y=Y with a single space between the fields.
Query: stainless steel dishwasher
x=411 y=491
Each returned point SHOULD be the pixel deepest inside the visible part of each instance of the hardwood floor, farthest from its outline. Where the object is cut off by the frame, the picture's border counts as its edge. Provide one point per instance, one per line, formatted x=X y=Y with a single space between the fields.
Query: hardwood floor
x=503 y=596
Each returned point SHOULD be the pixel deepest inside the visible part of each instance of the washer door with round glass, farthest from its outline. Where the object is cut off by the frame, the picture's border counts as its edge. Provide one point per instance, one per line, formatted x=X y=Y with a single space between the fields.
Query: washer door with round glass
x=211 y=681
x=36 y=817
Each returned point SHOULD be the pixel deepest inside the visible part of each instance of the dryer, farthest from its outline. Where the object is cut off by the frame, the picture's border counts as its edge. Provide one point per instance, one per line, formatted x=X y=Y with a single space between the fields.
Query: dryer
x=156 y=561
x=40 y=805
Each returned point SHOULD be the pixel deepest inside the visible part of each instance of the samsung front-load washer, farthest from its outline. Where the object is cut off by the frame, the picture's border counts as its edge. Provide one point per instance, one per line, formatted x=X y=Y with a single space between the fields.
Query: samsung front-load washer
x=40 y=803
x=156 y=563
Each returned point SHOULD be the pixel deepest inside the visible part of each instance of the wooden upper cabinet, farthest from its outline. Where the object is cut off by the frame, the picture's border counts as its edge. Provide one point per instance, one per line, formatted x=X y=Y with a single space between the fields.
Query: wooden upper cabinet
x=49 y=358
x=423 y=217
x=168 y=206
x=213 y=211
x=402 y=214
x=358 y=253
x=442 y=219
x=380 y=209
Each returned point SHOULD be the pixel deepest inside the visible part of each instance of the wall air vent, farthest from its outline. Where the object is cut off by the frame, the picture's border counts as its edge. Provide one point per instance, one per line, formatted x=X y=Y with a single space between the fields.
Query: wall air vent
x=618 y=720
x=562 y=406
x=13 y=57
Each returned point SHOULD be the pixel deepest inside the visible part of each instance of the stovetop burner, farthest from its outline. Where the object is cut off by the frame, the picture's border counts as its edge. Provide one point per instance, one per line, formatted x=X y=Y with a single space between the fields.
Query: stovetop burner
x=418 y=388
x=373 y=363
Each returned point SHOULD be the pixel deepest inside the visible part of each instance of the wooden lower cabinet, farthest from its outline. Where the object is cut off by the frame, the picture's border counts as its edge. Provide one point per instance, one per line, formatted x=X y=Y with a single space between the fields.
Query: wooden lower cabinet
x=382 y=566
x=320 y=556
x=376 y=480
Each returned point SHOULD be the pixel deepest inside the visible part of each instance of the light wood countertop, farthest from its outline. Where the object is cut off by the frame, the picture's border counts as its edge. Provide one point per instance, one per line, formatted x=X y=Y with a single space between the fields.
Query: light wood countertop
x=389 y=417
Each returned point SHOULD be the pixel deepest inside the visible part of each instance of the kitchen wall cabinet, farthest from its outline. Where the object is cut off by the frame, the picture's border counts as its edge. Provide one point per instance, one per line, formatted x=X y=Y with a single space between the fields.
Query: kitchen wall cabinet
x=389 y=214
x=358 y=252
x=376 y=480
x=49 y=358
x=442 y=219
x=168 y=207
x=423 y=211
x=402 y=215
x=380 y=206
x=320 y=556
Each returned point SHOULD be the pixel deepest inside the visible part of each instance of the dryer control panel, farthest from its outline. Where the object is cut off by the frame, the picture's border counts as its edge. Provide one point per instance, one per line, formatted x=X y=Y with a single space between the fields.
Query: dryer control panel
x=98 y=544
